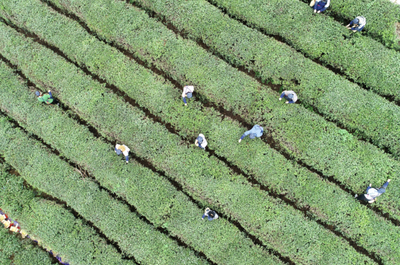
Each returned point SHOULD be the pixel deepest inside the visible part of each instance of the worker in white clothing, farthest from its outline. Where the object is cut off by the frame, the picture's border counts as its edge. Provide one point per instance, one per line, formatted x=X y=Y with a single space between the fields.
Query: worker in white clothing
x=201 y=141
x=357 y=24
x=122 y=149
x=187 y=92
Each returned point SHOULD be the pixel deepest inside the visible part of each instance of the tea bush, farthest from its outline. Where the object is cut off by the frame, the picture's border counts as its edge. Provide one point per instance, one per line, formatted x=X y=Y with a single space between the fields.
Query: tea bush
x=49 y=174
x=54 y=227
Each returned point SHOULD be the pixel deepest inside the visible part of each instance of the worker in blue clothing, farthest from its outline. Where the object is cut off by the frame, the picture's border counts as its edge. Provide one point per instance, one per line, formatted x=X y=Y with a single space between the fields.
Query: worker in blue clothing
x=321 y=5
x=210 y=214
x=289 y=95
x=357 y=24
x=256 y=131
x=372 y=193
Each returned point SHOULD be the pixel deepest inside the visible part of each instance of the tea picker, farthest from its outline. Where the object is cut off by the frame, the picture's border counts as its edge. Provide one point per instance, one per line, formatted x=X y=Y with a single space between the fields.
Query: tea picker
x=372 y=193
x=14 y=226
x=256 y=131
x=187 y=92
x=46 y=98
x=357 y=24
x=289 y=95
x=201 y=141
x=122 y=149
x=321 y=5
x=210 y=214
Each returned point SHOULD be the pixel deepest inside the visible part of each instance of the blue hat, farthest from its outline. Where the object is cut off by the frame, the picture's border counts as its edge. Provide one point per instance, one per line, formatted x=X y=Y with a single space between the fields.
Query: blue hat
x=37 y=93
x=118 y=152
x=253 y=135
x=189 y=95
x=290 y=96
x=199 y=139
x=356 y=21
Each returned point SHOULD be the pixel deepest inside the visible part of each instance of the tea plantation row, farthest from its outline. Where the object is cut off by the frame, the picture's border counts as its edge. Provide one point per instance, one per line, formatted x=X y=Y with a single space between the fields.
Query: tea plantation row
x=361 y=58
x=240 y=46
x=382 y=16
x=154 y=43
x=151 y=194
x=229 y=193
x=17 y=251
x=14 y=249
x=51 y=175
x=304 y=135
x=54 y=227
x=268 y=166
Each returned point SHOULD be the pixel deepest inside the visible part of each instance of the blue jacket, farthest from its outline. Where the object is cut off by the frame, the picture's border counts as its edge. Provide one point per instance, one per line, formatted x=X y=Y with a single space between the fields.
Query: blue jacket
x=257 y=131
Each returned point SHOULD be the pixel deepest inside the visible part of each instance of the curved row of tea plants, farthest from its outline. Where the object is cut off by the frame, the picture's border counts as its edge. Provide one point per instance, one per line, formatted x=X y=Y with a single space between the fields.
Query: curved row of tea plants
x=267 y=166
x=49 y=174
x=302 y=134
x=54 y=227
x=381 y=15
x=16 y=251
x=150 y=193
x=152 y=41
x=331 y=95
x=214 y=184
x=362 y=59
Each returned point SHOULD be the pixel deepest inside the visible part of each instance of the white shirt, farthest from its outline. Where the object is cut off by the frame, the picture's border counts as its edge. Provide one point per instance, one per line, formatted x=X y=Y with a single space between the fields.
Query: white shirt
x=204 y=143
x=361 y=21
x=126 y=152
x=287 y=92
x=187 y=89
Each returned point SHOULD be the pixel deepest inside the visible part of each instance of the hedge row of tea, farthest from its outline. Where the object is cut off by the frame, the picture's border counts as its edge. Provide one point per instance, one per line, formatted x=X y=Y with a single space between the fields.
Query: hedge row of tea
x=153 y=42
x=213 y=185
x=361 y=58
x=318 y=87
x=151 y=194
x=245 y=47
x=49 y=174
x=381 y=15
x=304 y=135
x=267 y=165
x=54 y=227
x=16 y=251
